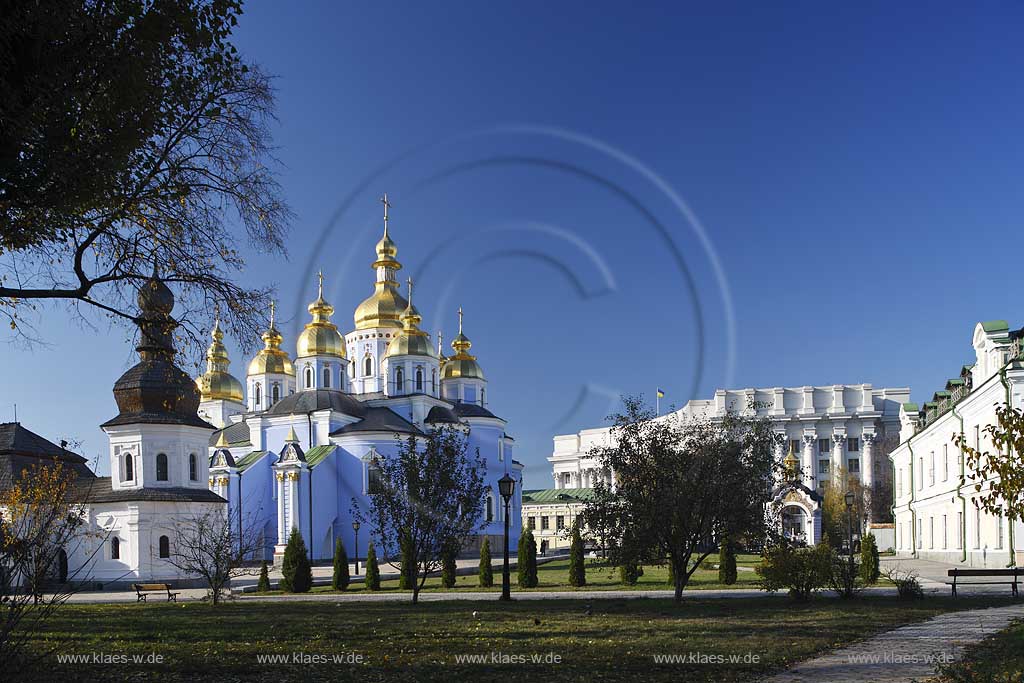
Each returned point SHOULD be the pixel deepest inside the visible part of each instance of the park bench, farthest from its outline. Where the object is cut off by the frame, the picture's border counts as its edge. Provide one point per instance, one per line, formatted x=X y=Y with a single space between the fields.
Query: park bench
x=1014 y=573
x=143 y=590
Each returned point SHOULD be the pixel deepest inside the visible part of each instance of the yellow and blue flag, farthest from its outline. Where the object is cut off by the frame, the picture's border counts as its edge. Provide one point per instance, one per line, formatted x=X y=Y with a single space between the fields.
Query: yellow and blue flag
x=661 y=393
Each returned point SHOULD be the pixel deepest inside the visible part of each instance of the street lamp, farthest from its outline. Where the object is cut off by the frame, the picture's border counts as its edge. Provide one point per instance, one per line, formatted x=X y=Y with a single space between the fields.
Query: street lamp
x=355 y=528
x=506 y=486
x=849 y=527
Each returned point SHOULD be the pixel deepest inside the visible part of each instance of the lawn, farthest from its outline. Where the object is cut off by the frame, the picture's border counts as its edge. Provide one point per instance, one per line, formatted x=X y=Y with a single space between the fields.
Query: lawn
x=999 y=657
x=607 y=640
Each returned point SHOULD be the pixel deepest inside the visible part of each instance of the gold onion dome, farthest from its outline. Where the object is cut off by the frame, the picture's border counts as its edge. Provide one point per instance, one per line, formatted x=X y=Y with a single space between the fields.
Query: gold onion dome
x=384 y=307
x=217 y=384
x=271 y=359
x=462 y=364
x=791 y=464
x=320 y=337
x=411 y=341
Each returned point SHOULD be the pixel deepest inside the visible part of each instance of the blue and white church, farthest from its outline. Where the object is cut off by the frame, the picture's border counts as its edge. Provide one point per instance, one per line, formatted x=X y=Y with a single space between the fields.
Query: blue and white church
x=299 y=441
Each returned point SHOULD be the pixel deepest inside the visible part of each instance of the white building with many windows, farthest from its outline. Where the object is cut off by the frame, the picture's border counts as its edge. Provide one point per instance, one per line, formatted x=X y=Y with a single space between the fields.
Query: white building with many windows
x=935 y=514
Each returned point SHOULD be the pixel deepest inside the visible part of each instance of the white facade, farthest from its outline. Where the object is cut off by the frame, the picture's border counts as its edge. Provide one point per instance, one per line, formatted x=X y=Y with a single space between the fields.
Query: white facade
x=935 y=515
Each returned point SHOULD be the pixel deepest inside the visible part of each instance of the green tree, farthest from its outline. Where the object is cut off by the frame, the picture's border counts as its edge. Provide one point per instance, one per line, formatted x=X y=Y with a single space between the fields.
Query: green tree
x=870 y=569
x=406 y=563
x=486 y=572
x=134 y=136
x=263 y=585
x=340 y=578
x=577 y=569
x=629 y=574
x=1002 y=469
x=372 y=572
x=727 y=563
x=448 y=565
x=800 y=570
x=526 y=561
x=297 y=575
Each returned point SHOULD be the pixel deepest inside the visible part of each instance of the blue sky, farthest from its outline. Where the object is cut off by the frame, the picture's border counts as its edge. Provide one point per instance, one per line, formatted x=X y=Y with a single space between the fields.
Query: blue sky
x=854 y=171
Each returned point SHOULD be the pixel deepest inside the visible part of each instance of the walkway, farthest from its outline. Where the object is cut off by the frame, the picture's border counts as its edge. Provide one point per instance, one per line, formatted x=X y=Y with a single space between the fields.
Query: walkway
x=904 y=654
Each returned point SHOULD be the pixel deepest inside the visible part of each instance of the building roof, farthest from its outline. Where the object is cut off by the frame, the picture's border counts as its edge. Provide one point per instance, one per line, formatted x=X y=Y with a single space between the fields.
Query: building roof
x=472 y=410
x=312 y=400
x=318 y=454
x=100 y=490
x=995 y=326
x=442 y=415
x=21 y=448
x=557 y=495
x=380 y=419
x=236 y=434
x=249 y=459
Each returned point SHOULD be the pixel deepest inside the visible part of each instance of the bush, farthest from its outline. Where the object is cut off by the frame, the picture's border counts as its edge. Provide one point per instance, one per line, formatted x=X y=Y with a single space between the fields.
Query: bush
x=486 y=573
x=407 y=564
x=845 y=578
x=869 y=563
x=726 y=563
x=526 y=563
x=372 y=574
x=340 y=578
x=297 y=575
x=800 y=570
x=448 y=554
x=908 y=587
x=629 y=574
x=263 y=585
x=577 y=569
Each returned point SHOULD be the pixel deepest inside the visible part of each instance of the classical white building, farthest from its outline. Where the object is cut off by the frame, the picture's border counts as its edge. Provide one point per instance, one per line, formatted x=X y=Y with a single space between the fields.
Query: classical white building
x=935 y=513
x=830 y=429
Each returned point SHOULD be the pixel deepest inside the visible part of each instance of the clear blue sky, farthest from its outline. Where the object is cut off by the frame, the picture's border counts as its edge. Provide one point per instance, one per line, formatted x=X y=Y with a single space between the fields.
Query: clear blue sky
x=857 y=170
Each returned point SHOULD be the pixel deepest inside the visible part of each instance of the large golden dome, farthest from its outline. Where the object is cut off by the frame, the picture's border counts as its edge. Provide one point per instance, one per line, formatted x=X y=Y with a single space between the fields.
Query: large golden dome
x=217 y=384
x=384 y=307
x=411 y=341
x=462 y=365
x=271 y=359
x=320 y=337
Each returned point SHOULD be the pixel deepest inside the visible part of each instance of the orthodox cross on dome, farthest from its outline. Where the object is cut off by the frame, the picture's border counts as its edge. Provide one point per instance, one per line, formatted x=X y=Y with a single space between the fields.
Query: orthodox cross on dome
x=408 y=284
x=460 y=319
x=320 y=285
x=386 y=203
x=272 y=312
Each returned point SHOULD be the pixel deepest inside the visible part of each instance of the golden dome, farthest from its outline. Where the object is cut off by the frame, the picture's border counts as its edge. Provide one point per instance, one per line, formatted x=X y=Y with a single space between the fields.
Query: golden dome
x=271 y=359
x=791 y=464
x=217 y=384
x=320 y=337
x=462 y=365
x=384 y=307
x=411 y=341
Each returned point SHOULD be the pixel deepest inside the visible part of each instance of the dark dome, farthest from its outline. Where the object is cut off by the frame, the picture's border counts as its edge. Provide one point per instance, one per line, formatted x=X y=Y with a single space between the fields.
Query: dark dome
x=156 y=297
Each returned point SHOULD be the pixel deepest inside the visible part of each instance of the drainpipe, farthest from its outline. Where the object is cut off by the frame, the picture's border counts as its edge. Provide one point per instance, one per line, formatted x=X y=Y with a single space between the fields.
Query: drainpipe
x=240 y=512
x=960 y=493
x=910 y=506
x=1006 y=385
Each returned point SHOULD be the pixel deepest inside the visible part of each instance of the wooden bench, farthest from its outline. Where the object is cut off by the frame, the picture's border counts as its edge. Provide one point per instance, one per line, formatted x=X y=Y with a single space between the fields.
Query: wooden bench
x=143 y=590
x=1015 y=574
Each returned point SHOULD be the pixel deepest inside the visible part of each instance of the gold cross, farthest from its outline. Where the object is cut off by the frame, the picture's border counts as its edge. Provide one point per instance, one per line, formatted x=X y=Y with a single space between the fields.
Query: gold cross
x=460 y=319
x=386 y=203
x=320 y=276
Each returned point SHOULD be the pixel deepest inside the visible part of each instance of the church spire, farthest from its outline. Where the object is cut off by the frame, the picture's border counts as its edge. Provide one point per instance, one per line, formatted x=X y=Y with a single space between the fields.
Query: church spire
x=384 y=307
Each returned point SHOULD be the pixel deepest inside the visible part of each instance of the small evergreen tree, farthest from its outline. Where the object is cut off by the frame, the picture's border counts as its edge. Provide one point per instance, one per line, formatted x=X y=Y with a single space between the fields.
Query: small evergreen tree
x=577 y=570
x=450 y=551
x=534 y=579
x=525 y=558
x=869 y=562
x=340 y=578
x=297 y=573
x=264 y=583
x=629 y=574
x=486 y=573
x=407 y=562
x=726 y=563
x=372 y=573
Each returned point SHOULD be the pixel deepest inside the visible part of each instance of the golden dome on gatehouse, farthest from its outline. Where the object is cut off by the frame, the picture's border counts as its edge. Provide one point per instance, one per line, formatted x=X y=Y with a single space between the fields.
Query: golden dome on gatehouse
x=462 y=365
x=320 y=337
x=271 y=359
x=384 y=307
x=217 y=384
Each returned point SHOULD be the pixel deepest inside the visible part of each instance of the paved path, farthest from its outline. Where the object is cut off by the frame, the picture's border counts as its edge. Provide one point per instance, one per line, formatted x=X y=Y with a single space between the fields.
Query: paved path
x=904 y=654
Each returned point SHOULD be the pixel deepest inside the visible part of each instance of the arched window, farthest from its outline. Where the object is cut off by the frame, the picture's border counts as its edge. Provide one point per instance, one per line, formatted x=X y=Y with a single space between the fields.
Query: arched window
x=399 y=381
x=309 y=377
x=275 y=394
x=327 y=378
x=115 y=548
x=374 y=483
x=433 y=381
x=482 y=396
x=419 y=379
x=161 y=467
x=368 y=366
x=259 y=393
x=490 y=508
x=165 y=546
x=193 y=467
x=129 y=469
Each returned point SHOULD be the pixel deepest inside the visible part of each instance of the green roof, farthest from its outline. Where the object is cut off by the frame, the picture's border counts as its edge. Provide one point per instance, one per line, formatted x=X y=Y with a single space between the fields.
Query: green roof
x=557 y=495
x=910 y=407
x=248 y=460
x=317 y=454
x=995 y=326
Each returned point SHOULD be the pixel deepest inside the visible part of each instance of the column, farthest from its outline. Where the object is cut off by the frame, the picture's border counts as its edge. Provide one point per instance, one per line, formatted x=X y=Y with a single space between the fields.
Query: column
x=867 y=460
x=807 y=460
x=293 y=513
x=558 y=480
x=282 y=533
x=780 y=453
x=837 y=455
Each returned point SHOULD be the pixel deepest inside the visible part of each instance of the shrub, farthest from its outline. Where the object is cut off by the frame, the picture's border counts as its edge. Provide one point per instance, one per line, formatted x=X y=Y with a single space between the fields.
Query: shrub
x=407 y=563
x=263 y=585
x=372 y=574
x=340 y=578
x=577 y=570
x=526 y=564
x=297 y=575
x=869 y=563
x=629 y=574
x=800 y=570
x=486 y=573
x=448 y=554
x=726 y=563
x=844 y=578
x=908 y=587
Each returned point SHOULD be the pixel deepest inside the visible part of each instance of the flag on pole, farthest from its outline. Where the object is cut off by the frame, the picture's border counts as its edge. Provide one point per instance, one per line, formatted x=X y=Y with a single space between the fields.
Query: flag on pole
x=661 y=393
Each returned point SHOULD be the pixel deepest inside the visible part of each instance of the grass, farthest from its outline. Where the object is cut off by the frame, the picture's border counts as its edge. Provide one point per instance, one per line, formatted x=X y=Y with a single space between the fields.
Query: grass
x=999 y=657
x=608 y=640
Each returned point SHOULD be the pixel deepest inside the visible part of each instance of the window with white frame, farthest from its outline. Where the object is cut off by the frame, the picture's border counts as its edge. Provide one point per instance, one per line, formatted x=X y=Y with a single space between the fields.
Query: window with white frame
x=945 y=462
x=999 y=532
x=931 y=468
x=824 y=446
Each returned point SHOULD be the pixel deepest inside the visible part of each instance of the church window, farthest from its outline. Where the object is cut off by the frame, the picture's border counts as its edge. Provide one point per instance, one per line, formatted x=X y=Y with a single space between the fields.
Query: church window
x=433 y=381
x=368 y=366
x=129 y=473
x=161 y=467
x=193 y=467
x=399 y=381
x=327 y=378
x=309 y=377
x=259 y=394
x=374 y=480
x=481 y=396
x=275 y=394
x=490 y=508
x=165 y=546
x=419 y=379
x=115 y=548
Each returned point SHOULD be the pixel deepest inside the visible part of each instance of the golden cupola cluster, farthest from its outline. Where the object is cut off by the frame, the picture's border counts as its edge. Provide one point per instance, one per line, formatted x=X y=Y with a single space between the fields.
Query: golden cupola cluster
x=411 y=341
x=462 y=364
x=384 y=307
x=320 y=337
x=271 y=358
x=217 y=384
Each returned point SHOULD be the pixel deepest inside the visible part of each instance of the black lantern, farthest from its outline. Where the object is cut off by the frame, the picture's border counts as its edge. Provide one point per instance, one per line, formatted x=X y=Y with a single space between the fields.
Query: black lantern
x=506 y=487
x=355 y=528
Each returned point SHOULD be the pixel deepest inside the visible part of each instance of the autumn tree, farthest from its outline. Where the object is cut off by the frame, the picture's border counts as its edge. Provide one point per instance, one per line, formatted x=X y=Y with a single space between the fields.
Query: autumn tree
x=1002 y=468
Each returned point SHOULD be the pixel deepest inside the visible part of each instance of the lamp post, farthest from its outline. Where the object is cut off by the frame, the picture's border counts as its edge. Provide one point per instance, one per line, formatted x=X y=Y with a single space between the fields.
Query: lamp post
x=355 y=528
x=506 y=486
x=849 y=528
